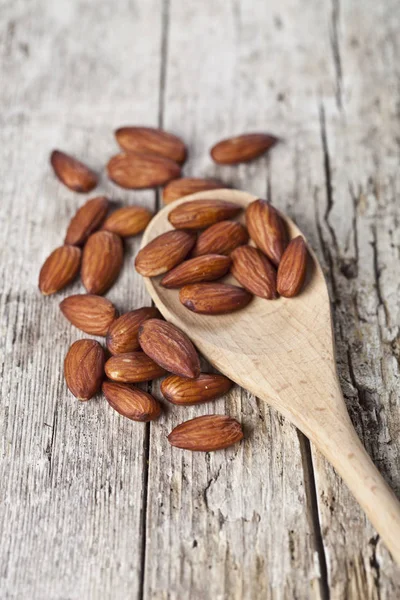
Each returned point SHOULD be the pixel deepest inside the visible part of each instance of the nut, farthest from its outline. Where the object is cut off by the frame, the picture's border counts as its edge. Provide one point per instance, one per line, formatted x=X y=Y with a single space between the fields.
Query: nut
x=189 y=185
x=132 y=367
x=214 y=298
x=152 y=140
x=131 y=402
x=101 y=262
x=185 y=392
x=221 y=238
x=86 y=220
x=122 y=336
x=254 y=272
x=136 y=171
x=199 y=214
x=84 y=368
x=207 y=433
x=267 y=229
x=164 y=252
x=242 y=148
x=73 y=173
x=292 y=268
x=92 y=314
x=59 y=269
x=128 y=221
x=169 y=347
x=202 y=268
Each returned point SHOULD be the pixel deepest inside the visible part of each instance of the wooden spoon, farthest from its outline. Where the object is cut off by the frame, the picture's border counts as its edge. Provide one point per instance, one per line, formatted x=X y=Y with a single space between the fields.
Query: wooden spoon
x=283 y=352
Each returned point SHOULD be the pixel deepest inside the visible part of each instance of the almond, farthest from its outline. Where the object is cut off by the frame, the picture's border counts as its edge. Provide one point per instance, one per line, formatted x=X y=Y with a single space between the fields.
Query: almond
x=164 y=252
x=254 y=272
x=74 y=174
x=87 y=219
x=128 y=221
x=214 y=298
x=189 y=185
x=84 y=368
x=242 y=148
x=207 y=433
x=221 y=238
x=59 y=269
x=123 y=333
x=136 y=171
x=169 y=347
x=202 y=268
x=292 y=268
x=185 y=392
x=101 y=262
x=92 y=314
x=152 y=140
x=132 y=367
x=131 y=402
x=267 y=229
x=199 y=214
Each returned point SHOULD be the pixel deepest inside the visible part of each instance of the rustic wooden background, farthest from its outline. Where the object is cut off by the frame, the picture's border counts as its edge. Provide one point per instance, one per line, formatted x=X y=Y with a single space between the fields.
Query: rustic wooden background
x=93 y=505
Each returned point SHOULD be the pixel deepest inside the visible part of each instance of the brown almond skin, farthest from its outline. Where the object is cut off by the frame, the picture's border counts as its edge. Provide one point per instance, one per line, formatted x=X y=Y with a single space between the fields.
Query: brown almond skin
x=84 y=368
x=87 y=219
x=131 y=402
x=199 y=214
x=195 y=270
x=89 y=313
x=214 y=298
x=254 y=272
x=150 y=139
x=267 y=229
x=122 y=335
x=221 y=238
x=101 y=262
x=73 y=173
x=292 y=268
x=242 y=148
x=178 y=188
x=207 y=433
x=164 y=253
x=169 y=347
x=59 y=269
x=132 y=367
x=186 y=392
x=128 y=221
x=137 y=171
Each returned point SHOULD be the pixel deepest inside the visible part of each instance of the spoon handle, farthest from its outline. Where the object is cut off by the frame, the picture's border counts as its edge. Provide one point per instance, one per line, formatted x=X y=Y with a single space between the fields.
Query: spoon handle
x=339 y=443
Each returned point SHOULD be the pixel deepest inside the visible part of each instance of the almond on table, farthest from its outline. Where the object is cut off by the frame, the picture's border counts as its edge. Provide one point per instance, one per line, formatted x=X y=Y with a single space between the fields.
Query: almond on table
x=292 y=268
x=122 y=335
x=73 y=173
x=254 y=272
x=267 y=229
x=152 y=140
x=133 y=170
x=101 y=262
x=185 y=392
x=199 y=214
x=201 y=268
x=164 y=252
x=189 y=185
x=221 y=238
x=87 y=219
x=207 y=433
x=84 y=368
x=59 y=269
x=128 y=221
x=169 y=347
x=242 y=148
x=90 y=313
x=214 y=298
x=132 y=367
x=130 y=402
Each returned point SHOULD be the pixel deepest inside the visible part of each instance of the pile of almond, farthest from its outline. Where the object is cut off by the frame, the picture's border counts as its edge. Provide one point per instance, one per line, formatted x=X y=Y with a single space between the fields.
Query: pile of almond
x=205 y=245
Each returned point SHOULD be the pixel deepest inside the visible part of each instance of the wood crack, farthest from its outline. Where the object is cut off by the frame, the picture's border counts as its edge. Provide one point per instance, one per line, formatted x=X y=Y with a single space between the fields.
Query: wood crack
x=335 y=45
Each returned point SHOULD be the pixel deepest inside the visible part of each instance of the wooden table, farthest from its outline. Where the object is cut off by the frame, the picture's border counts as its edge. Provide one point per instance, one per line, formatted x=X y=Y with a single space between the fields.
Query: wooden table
x=93 y=505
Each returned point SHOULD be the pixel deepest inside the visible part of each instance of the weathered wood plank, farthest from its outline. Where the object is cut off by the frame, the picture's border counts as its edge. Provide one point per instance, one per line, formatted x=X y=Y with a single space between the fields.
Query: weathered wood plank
x=72 y=474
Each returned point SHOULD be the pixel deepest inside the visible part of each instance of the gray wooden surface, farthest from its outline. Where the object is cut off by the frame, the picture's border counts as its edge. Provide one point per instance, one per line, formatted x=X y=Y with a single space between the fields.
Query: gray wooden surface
x=92 y=505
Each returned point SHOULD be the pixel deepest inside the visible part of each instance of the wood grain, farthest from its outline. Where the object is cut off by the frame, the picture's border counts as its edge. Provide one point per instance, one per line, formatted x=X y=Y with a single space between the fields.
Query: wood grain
x=73 y=481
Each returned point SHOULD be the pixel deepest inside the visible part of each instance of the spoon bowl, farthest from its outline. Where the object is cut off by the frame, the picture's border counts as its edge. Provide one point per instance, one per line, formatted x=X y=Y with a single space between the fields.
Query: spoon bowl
x=283 y=352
